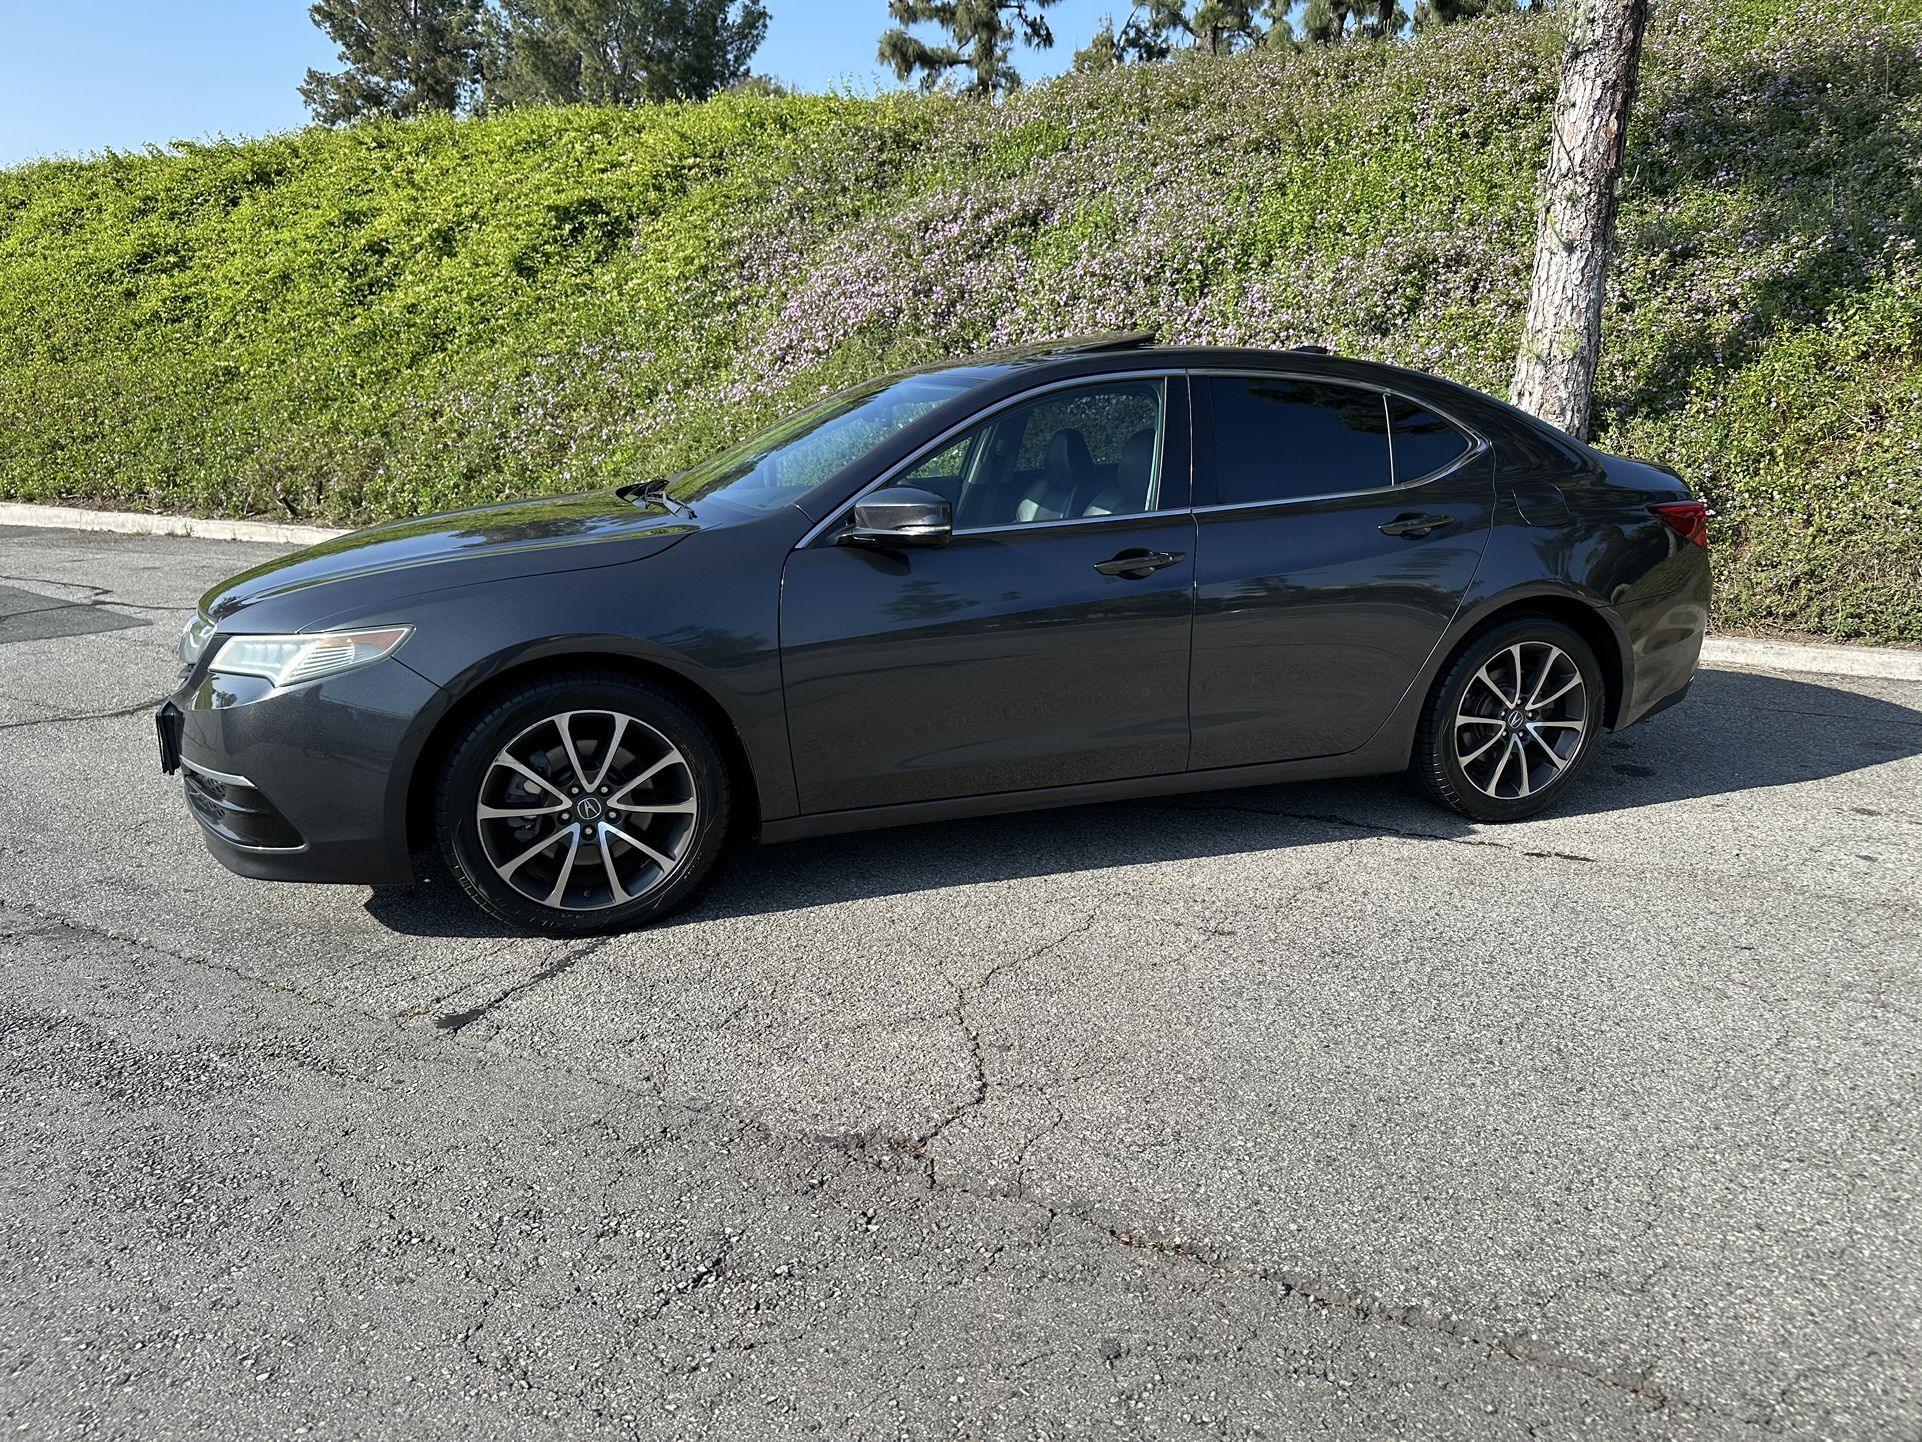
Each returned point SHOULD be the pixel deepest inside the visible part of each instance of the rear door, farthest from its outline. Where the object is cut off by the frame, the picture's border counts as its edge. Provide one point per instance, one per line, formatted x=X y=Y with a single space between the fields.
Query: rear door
x=1338 y=528
x=1026 y=653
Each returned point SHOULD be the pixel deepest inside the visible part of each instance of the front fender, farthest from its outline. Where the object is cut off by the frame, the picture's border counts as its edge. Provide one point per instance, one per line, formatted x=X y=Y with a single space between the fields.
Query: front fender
x=720 y=643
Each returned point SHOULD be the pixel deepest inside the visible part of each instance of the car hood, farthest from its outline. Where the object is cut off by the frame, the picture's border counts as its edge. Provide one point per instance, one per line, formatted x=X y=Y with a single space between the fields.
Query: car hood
x=460 y=548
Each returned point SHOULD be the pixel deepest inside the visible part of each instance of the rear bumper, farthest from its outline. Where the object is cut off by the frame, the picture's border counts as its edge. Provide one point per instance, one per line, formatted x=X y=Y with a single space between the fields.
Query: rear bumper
x=1674 y=698
x=1666 y=619
x=305 y=784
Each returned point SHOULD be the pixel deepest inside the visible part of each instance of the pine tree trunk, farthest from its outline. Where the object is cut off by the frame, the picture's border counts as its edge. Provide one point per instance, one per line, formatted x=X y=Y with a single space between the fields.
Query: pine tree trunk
x=1555 y=372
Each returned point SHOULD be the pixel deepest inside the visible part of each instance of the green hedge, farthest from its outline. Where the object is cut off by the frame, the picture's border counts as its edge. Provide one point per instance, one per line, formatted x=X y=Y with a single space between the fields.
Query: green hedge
x=397 y=318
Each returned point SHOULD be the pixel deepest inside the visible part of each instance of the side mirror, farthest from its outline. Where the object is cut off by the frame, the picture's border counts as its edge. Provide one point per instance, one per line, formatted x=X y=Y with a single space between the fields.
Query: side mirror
x=897 y=516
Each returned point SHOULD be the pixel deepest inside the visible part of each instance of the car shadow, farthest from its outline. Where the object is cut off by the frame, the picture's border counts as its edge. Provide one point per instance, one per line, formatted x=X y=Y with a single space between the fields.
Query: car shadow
x=1737 y=731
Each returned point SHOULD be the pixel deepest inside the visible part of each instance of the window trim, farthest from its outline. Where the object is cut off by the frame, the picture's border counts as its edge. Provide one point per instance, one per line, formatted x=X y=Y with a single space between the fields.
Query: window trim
x=934 y=445
x=1479 y=446
x=1478 y=443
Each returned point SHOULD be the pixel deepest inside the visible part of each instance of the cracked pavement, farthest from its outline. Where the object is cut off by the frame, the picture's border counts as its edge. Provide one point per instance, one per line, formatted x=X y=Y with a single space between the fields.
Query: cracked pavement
x=1292 y=1112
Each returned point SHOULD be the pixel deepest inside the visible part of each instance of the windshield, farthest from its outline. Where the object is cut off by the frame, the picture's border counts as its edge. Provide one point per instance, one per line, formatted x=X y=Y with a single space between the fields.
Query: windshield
x=783 y=461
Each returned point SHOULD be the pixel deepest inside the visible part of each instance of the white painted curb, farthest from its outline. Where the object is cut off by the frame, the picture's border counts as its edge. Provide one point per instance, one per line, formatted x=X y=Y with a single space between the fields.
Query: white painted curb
x=1882 y=663
x=133 y=523
x=1738 y=651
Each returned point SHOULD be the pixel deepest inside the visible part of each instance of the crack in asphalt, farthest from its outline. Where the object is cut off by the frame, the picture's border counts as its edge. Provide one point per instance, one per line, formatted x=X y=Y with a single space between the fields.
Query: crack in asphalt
x=1021 y=1157
x=86 y=928
x=419 y=1011
x=1376 y=828
x=459 y=1021
x=98 y=597
x=964 y=996
x=54 y=603
x=1321 y=1294
x=885 y=1152
x=132 y=710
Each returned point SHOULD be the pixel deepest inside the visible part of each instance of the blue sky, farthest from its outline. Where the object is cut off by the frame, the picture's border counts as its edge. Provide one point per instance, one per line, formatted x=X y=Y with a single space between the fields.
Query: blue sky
x=82 y=75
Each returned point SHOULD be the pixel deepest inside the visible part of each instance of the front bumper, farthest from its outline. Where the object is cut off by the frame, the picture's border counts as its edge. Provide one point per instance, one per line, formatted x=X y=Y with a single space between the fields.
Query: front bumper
x=308 y=783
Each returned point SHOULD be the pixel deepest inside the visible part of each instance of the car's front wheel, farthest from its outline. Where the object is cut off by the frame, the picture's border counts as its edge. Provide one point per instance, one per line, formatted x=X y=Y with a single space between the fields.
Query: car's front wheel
x=1512 y=721
x=582 y=803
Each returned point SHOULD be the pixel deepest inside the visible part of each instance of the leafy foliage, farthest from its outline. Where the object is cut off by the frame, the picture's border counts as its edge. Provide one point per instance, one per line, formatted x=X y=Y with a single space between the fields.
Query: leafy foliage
x=1157 y=29
x=981 y=38
x=620 y=52
x=400 y=57
x=409 y=316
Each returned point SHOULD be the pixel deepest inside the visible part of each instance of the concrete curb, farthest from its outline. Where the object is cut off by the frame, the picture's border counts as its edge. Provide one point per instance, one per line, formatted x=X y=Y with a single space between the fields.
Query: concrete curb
x=133 y=523
x=1879 y=662
x=1738 y=651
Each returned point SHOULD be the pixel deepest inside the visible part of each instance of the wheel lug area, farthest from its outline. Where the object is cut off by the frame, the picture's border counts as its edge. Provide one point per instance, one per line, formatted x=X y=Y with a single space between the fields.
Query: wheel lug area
x=550 y=833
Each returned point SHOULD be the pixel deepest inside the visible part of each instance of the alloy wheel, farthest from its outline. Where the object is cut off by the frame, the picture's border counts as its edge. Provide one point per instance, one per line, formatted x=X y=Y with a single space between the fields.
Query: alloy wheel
x=1522 y=720
x=586 y=810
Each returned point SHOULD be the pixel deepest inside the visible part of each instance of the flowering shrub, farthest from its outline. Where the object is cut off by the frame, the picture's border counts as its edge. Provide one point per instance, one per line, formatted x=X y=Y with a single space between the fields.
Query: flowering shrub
x=407 y=317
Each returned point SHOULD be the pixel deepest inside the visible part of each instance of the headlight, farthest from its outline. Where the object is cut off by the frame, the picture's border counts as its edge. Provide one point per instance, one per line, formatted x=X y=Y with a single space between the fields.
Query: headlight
x=194 y=637
x=289 y=660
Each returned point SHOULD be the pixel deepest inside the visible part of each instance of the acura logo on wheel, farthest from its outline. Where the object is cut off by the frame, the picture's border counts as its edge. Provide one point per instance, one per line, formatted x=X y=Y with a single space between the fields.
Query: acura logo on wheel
x=588 y=809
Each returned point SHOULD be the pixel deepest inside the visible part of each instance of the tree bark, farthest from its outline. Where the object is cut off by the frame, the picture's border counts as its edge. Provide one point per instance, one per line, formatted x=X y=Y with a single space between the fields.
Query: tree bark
x=1581 y=189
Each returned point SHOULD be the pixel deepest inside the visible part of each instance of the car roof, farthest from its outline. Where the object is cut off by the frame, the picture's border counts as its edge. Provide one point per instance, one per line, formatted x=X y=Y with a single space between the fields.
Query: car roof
x=1021 y=366
x=1138 y=350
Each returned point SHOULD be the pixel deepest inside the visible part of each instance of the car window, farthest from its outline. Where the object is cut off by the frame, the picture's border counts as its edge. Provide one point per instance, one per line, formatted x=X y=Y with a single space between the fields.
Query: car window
x=1424 y=442
x=944 y=471
x=1089 y=451
x=770 y=469
x=1278 y=439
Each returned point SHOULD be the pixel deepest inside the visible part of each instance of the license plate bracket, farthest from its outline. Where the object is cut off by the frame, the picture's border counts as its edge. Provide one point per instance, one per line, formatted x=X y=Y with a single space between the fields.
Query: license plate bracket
x=167 y=722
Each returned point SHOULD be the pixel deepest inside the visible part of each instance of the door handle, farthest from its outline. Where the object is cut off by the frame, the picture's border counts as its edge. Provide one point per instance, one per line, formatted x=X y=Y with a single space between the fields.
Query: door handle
x=1133 y=565
x=1414 y=527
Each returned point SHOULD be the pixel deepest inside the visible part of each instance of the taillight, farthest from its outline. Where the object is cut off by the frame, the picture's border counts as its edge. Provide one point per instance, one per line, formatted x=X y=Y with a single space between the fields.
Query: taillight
x=1688 y=519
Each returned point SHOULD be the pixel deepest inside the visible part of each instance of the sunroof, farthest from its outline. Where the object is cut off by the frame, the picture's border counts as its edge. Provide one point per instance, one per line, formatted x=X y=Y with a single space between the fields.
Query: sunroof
x=1106 y=340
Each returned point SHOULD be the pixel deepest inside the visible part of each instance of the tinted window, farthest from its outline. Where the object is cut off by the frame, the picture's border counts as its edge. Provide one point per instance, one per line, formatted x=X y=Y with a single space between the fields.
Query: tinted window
x=770 y=469
x=1107 y=418
x=1090 y=451
x=1424 y=442
x=1278 y=439
x=944 y=471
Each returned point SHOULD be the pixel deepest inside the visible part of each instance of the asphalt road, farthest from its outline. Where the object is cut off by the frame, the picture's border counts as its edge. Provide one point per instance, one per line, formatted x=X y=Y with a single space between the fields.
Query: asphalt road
x=1295 y=1112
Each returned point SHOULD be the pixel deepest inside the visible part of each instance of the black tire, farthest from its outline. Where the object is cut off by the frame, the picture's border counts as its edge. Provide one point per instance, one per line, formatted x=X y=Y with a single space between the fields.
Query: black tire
x=600 y=858
x=1534 y=776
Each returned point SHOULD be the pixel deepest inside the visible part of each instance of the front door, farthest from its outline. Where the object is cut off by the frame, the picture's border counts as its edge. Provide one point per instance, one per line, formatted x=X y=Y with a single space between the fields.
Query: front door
x=1014 y=657
x=1319 y=589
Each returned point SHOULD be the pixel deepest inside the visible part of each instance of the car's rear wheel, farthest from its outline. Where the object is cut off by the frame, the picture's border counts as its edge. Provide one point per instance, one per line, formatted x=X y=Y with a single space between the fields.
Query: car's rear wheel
x=1512 y=722
x=583 y=803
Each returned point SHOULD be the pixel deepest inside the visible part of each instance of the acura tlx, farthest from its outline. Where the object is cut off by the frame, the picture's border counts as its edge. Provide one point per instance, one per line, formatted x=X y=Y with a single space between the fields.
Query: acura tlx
x=1080 y=572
